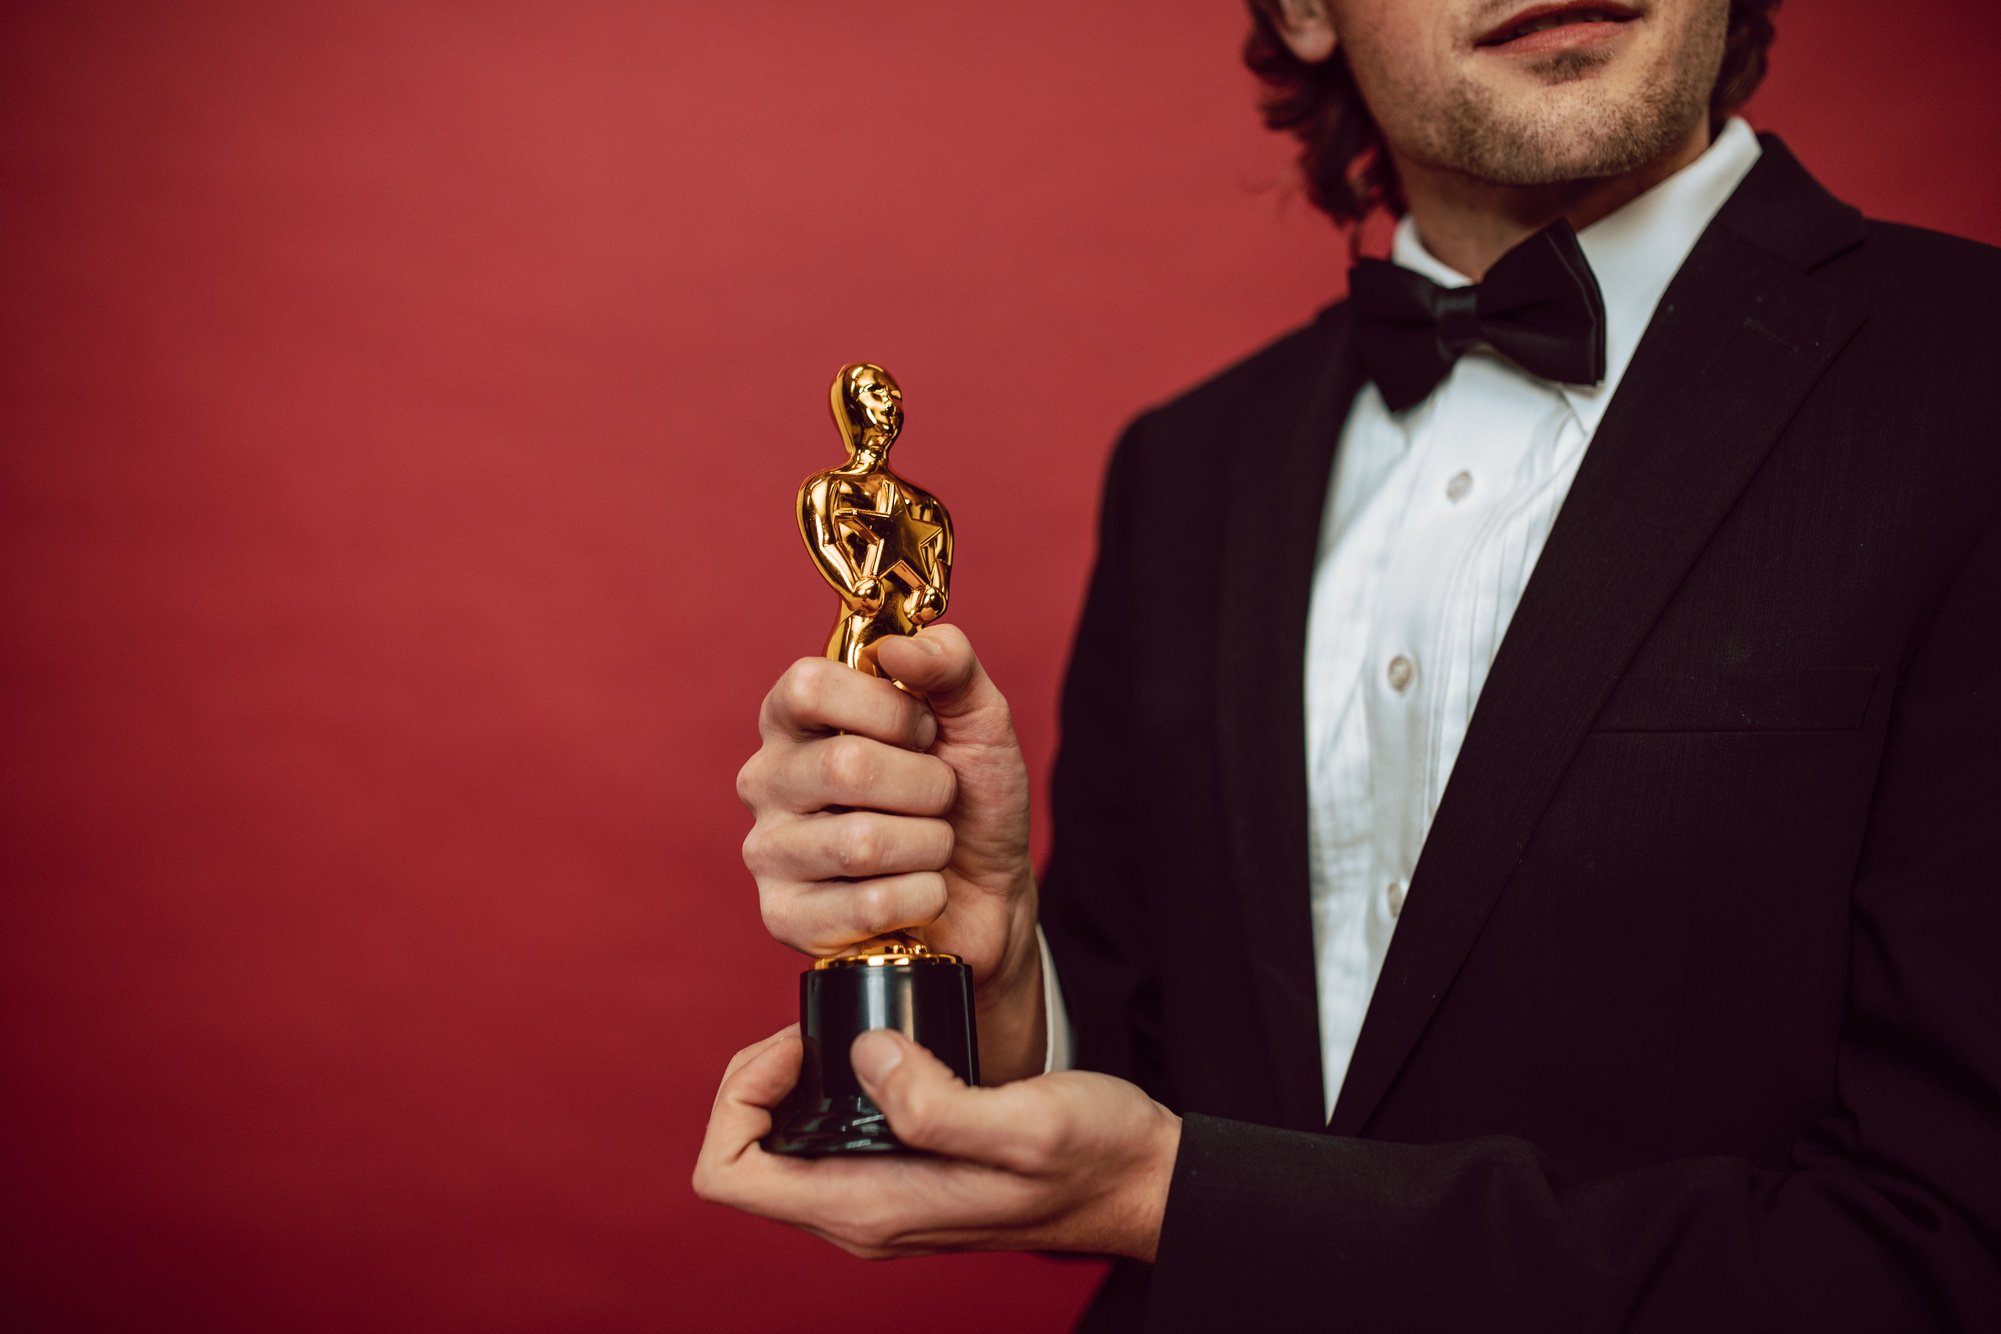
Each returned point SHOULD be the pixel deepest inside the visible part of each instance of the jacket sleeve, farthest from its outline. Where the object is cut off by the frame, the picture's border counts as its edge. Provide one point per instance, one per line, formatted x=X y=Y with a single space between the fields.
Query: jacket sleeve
x=1888 y=1216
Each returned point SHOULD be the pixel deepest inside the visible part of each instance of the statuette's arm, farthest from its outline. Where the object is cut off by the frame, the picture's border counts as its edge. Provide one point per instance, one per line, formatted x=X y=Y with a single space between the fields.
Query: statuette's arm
x=831 y=557
x=938 y=575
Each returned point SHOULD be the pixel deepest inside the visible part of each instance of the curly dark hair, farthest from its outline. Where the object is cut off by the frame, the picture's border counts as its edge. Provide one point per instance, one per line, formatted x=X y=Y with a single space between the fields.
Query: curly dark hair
x=1347 y=168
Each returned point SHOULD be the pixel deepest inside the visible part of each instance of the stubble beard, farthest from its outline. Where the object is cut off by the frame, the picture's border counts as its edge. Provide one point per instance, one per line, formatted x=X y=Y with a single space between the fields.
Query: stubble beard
x=1579 y=133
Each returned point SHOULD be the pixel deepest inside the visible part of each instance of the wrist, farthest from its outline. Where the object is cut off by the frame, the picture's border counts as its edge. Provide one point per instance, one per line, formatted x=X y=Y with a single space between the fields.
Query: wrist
x=1145 y=1209
x=1019 y=971
x=1010 y=1007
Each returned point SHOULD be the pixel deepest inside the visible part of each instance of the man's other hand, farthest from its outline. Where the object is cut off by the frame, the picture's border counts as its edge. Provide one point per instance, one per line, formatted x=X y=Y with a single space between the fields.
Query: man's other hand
x=879 y=810
x=1066 y=1162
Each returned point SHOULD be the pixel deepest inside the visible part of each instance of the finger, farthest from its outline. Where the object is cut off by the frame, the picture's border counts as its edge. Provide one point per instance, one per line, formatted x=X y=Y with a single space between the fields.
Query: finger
x=765 y=1073
x=856 y=771
x=828 y=918
x=940 y=662
x=756 y=1049
x=852 y=845
x=758 y=1078
x=930 y=1108
x=817 y=696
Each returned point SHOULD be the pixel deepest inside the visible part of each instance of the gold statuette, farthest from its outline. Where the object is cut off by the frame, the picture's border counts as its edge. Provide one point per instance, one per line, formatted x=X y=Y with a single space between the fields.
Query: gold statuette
x=884 y=545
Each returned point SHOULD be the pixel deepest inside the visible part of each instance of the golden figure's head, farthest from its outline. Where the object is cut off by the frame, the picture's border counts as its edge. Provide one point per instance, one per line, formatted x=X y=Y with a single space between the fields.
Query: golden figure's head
x=868 y=408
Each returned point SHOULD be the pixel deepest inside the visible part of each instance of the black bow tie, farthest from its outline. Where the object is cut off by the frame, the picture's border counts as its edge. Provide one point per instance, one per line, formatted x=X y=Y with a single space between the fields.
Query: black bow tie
x=1538 y=306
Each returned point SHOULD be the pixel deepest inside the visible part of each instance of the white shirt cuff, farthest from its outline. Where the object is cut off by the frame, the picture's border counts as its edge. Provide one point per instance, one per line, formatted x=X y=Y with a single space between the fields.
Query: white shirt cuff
x=1056 y=1051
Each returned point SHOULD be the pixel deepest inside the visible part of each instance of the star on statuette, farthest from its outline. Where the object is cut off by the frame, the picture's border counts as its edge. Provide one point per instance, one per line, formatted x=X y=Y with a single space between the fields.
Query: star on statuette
x=896 y=531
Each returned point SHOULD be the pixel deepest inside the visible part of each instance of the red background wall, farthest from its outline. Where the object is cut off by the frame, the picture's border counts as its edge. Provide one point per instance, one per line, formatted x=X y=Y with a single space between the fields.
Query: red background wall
x=402 y=406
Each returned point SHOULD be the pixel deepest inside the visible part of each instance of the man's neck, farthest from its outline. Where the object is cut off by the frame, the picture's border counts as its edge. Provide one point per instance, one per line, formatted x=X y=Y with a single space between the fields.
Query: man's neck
x=1469 y=223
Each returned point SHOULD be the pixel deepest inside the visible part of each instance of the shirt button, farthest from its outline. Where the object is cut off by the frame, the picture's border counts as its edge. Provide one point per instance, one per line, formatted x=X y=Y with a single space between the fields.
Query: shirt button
x=1456 y=489
x=1401 y=670
x=1394 y=893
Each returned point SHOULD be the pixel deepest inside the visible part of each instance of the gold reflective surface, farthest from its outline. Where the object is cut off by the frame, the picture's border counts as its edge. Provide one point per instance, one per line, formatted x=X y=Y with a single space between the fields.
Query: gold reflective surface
x=897 y=951
x=884 y=545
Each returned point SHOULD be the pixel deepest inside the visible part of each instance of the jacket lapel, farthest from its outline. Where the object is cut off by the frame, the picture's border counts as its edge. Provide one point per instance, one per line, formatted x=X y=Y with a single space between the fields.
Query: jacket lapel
x=1746 y=322
x=1279 y=469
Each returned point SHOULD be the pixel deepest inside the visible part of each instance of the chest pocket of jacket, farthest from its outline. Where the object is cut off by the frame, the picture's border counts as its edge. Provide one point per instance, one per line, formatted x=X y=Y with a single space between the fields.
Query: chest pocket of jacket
x=1814 y=699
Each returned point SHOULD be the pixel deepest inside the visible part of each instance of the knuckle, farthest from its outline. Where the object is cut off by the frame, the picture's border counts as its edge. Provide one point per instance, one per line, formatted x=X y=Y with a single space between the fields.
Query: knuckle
x=878 y=1242
x=919 y=1122
x=859 y=848
x=757 y=851
x=799 y=692
x=847 y=765
x=771 y=914
x=704 y=1182
x=1041 y=1146
x=750 y=781
x=874 y=912
x=757 y=782
x=779 y=909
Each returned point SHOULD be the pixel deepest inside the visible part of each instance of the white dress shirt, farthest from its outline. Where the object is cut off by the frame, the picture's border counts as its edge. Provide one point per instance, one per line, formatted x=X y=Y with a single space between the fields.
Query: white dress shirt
x=1434 y=519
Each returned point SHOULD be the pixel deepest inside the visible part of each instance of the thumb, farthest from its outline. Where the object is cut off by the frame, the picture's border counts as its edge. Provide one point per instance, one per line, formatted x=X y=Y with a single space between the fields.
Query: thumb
x=939 y=661
x=927 y=1106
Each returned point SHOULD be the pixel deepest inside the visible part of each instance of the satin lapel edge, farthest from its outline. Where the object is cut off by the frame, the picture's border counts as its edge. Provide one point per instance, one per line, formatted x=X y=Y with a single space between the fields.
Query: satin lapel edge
x=1277 y=496
x=1662 y=472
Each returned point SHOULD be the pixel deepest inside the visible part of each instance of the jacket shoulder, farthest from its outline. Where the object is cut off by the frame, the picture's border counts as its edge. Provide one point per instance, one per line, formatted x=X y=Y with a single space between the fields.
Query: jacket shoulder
x=1290 y=366
x=1920 y=272
x=1902 y=244
x=1927 y=298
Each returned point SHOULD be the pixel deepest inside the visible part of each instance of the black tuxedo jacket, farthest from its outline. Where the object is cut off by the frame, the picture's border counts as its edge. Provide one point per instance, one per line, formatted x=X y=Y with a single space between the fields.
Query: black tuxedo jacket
x=1692 y=1020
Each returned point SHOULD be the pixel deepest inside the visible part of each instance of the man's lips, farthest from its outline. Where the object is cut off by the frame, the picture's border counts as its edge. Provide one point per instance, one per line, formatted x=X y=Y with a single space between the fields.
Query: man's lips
x=1556 y=27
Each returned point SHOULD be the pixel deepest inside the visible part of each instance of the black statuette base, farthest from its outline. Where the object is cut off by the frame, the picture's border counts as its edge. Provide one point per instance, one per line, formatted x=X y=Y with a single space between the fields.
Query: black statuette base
x=928 y=1000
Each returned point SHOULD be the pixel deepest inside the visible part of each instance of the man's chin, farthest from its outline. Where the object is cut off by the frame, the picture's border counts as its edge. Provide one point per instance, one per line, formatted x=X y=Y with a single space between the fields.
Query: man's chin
x=1584 y=129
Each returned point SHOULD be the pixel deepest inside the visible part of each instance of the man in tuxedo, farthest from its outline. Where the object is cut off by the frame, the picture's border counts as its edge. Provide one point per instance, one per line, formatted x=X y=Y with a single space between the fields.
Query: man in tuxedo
x=1562 y=891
